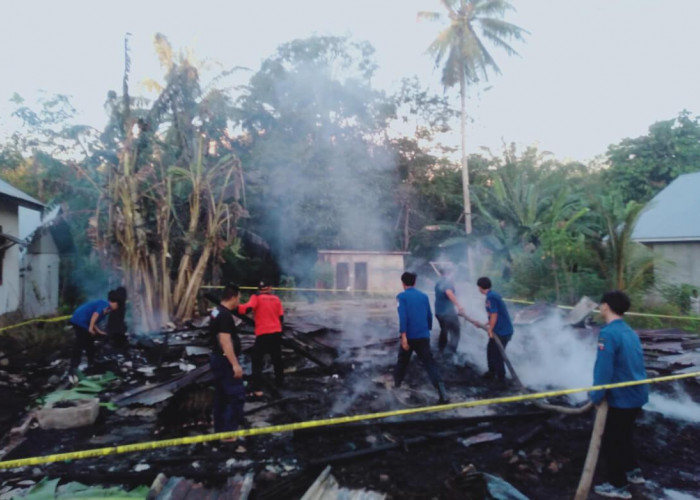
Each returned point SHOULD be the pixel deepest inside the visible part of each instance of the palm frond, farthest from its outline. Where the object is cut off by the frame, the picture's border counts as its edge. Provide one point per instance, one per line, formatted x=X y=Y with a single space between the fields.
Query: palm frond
x=490 y=7
x=428 y=16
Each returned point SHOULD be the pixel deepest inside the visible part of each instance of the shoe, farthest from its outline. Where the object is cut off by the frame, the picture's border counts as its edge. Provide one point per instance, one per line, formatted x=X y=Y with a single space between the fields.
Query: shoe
x=73 y=379
x=610 y=491
x=443 y=394
x=635 y=476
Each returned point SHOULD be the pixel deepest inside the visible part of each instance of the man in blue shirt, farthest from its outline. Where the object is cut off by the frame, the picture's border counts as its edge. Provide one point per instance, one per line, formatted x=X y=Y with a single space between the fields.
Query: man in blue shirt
x=620 y=359
x=499 y=324
x=446 y=308
x=85 y=321
x=415 y=323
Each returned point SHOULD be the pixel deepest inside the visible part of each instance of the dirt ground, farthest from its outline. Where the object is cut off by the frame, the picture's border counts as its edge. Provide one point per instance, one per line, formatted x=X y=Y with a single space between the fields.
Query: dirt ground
x=418 y=457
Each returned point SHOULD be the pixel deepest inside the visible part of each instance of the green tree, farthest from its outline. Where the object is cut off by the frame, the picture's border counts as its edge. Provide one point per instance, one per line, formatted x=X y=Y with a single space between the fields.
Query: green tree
x=467 y=60
x=643 y=166
x=625 y=264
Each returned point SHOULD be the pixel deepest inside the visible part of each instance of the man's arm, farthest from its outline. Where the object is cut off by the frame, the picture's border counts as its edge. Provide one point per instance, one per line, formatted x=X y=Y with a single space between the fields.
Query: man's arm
x=93 y=329
x=453 y=298
x=603 y=370
x=248 y=306
x=403 y=322
x=493 y=318
x=227 y=346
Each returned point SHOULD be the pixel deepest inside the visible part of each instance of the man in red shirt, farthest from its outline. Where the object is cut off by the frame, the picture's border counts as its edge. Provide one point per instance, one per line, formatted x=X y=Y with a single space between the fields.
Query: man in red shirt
x=268 y=314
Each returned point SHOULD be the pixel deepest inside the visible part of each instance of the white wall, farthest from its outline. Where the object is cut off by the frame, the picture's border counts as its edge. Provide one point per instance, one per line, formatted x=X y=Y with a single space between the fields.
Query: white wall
x=683 y=264
x=10 y=287
x=40 y=284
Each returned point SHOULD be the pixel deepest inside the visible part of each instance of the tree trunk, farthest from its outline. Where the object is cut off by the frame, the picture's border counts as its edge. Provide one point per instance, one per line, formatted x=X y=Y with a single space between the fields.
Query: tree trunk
x=465 y=166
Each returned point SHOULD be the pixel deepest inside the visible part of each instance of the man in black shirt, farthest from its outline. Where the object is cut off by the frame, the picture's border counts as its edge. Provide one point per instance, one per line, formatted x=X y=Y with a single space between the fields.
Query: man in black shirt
x=229 y=393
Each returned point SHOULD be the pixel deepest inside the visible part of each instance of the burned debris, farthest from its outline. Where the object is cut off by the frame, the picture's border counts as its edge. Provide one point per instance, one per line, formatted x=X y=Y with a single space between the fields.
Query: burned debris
x=336 y=363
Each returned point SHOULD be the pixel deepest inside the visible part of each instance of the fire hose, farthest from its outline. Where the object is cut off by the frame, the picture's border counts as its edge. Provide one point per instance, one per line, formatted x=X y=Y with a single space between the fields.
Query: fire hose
x=545 y=406
x=584 y=485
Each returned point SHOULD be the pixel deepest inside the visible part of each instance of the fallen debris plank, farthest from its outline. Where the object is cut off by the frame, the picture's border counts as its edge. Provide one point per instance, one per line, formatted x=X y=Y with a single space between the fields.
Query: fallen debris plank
x=155 y=393
x=326 y=487
x=405 y=443
x=422 y=422
x=296 y=346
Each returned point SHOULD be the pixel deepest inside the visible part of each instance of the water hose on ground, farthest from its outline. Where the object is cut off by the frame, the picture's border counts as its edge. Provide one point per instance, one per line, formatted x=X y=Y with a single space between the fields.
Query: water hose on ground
x=545 y=406
x=584 y=484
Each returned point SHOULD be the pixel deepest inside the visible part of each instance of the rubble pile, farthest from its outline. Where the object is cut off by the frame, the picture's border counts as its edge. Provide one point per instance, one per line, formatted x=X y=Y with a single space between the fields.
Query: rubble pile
x=338 y=358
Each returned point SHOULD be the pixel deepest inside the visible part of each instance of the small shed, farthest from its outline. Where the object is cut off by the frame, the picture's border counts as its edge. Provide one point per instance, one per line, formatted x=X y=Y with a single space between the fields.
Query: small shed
x=41 y=260
x=11 y=199
x=670 y=226
x=364 y=270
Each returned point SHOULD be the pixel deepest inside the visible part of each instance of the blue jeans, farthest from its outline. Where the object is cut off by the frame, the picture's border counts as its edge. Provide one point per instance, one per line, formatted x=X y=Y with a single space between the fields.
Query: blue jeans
x=229 y=395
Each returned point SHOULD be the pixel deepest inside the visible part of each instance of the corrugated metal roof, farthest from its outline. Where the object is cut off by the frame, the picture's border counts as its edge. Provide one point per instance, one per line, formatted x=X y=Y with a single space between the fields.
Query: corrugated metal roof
x=673 y=214
x=20 y=197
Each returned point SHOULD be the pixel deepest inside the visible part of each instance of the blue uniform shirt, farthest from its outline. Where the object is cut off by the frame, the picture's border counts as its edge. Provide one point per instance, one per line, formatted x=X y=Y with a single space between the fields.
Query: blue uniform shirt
x=620 y=359
x=415 y=316
x=495 y=304
x=81 y=316
x=443 y=306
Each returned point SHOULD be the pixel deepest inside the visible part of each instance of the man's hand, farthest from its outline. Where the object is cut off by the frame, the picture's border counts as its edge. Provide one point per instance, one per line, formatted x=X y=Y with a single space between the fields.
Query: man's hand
x=461 y=312
x=489 y=330
x=237 y=371
x=404 y=342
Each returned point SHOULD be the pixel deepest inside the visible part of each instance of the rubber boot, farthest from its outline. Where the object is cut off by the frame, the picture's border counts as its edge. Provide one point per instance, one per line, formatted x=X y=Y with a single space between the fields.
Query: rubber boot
x=442 y=393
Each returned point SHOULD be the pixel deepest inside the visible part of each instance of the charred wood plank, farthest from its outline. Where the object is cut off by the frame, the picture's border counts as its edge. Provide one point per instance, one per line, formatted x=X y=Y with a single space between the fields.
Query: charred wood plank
x=296 y=346
x=421 y=423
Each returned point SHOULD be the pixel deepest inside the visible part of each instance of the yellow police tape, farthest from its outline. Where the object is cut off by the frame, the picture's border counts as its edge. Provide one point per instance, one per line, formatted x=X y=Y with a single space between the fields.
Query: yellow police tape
x=36 y=320
x=310 y=424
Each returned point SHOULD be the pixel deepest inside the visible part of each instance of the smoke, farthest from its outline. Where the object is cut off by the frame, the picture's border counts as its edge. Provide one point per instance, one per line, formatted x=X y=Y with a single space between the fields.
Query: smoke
x=550 y=354
x=318 y=170
x=679 y=407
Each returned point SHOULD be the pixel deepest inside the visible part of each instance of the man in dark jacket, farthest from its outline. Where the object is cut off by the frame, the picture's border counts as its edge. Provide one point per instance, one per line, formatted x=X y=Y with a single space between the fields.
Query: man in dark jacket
x=415 y=323
x=229 y=394
x=620 y=359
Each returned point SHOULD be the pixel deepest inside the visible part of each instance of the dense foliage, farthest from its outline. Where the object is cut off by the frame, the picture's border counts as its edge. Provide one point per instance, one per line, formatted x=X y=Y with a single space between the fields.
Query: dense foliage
x=209 y=182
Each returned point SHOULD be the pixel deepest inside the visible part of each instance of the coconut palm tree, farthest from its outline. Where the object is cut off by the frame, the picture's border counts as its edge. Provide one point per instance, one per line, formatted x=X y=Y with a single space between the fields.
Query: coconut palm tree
x=467 y=60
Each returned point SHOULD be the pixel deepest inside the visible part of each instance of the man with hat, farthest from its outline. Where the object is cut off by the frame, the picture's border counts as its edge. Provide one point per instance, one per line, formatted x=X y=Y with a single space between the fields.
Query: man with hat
x=268 y=315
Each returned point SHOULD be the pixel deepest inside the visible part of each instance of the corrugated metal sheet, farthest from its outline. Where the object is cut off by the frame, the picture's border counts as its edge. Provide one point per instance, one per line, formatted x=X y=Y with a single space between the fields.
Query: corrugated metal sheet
x=20 y=197
x=672 y=215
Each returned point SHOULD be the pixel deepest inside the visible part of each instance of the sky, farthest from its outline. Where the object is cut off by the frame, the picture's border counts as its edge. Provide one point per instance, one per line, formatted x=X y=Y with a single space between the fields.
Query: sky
x=589 y=74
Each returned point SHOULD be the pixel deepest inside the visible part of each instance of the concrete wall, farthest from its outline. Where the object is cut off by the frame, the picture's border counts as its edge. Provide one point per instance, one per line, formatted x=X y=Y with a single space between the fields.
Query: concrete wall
x=383 y=270
x=40 y=277
x=683 y=264
x=10 y=287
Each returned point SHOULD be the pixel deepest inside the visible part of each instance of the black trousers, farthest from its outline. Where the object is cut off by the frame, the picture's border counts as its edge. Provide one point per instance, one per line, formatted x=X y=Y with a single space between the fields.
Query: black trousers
x=618 y=444
x=494 y=357
x=229 y=395
x=269 y=343
x=449 y=331
x=422 y=349
x=83 y=342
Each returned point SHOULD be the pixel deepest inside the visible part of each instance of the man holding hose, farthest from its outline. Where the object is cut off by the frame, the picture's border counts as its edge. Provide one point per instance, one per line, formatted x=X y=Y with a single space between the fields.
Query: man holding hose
x=620 y=359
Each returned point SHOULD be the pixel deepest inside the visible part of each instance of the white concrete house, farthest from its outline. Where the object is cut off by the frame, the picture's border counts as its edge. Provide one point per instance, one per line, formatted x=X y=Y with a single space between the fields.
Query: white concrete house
x=358 y=270
x=670 y=226
x=11 y=199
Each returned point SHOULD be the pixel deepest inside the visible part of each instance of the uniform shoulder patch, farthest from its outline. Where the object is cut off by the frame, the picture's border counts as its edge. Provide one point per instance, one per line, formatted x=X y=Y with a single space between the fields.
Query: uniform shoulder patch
x=214 y=313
